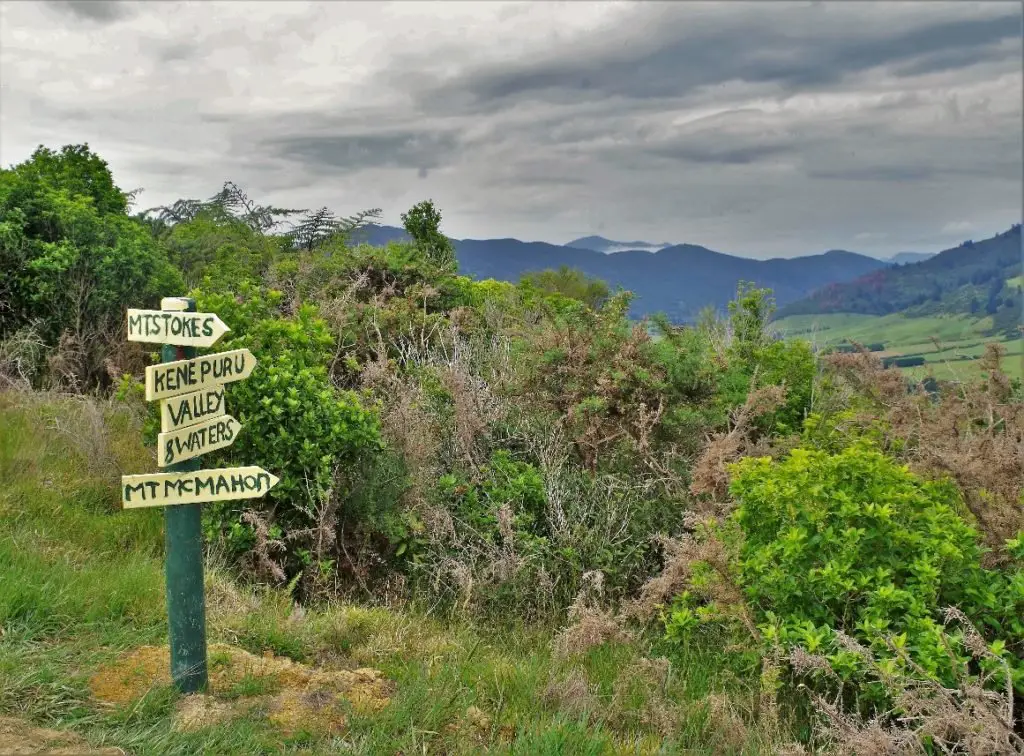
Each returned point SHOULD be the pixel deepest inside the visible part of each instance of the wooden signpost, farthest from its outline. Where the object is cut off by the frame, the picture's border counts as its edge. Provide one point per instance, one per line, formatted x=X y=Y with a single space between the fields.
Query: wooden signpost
x=193 y=421
x=188 y=409
x=196 y=329
x=193 y=440
x=186 y=376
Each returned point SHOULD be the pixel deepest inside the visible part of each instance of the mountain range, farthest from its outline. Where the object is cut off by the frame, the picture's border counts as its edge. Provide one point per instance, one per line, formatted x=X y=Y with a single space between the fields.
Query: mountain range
x=975 y=278
x=677 y=279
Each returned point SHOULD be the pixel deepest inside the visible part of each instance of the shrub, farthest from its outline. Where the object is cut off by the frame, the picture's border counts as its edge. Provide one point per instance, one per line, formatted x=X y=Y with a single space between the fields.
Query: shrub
x=853 y=542
x=296 y=424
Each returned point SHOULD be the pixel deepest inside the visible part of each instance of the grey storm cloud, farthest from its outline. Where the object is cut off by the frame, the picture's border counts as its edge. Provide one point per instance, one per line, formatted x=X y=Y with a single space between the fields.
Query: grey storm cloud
x=406 y=149
x=768 y=129
x=101 y=11
x=681 y=58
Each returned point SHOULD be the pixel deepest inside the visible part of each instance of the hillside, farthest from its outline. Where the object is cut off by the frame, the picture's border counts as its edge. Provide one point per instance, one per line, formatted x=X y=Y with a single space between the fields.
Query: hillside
x=974 y=279
x=680 y=280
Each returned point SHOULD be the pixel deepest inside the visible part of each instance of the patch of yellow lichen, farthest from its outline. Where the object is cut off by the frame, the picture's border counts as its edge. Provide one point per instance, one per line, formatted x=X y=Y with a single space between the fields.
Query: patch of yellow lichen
x=294 y=696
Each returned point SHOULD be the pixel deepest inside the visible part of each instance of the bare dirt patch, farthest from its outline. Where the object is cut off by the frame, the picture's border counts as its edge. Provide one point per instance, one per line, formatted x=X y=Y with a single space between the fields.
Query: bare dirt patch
x=293 y=696
x=19 y=738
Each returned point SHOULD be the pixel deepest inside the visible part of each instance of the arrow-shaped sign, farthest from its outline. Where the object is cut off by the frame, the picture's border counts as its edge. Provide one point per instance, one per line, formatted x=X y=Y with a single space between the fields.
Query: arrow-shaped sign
x=166 y=489
x=194 y=440
x=189 y=409
x=196 y=329
x=184 y=376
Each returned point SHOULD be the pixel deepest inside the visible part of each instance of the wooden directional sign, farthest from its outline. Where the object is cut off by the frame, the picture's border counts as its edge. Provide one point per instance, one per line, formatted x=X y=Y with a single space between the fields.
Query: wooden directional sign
x=189 y=409
x=197 y=329
x=185 y=376
x=186 y=443
x=167 y=489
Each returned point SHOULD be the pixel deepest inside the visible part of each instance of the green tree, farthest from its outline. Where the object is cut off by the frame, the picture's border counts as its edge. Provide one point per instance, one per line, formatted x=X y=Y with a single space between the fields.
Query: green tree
x=423 y=224
x=75 y=170
x=569 y=282
x=75 y=259
x=749 y=314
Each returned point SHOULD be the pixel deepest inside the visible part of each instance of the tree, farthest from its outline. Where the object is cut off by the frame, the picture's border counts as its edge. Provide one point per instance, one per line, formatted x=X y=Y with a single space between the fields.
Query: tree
x=75 y=170
x=321 y=225
x=72 y=258
x=422 y=223
x=569 y=282
x=749 y=314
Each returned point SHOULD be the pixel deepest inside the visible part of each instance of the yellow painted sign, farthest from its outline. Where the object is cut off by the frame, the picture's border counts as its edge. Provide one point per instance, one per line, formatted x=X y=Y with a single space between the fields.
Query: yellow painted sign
x=186 y=443
x=167 y=489
x=197 y=329
x=189 y=409
x=185 y=376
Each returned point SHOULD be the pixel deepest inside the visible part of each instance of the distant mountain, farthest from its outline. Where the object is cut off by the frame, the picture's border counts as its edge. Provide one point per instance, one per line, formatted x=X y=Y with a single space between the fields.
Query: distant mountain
x=905 y=258
x=378 y=236
x=679 y=280
x=971 y=279
x=607 y=246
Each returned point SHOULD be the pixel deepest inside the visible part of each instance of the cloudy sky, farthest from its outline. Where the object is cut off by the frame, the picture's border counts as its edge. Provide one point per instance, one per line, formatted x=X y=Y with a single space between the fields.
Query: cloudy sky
x=758 y=129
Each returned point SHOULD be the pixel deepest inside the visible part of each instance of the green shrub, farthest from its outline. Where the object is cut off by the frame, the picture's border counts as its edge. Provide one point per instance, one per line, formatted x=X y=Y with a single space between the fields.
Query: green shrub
x=851 y=541
x=295 y=423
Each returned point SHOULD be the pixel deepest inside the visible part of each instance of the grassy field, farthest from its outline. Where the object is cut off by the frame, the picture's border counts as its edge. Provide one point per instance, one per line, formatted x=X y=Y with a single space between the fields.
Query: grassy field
x=950 y=345
x=83 y=642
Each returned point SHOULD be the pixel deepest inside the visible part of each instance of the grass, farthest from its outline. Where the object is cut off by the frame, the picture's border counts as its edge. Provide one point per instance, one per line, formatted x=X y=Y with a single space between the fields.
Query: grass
x=83 y=584
x=958 y=336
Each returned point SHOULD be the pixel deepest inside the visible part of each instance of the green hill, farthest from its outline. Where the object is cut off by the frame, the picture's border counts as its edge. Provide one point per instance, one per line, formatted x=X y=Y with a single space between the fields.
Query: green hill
x=974 y=279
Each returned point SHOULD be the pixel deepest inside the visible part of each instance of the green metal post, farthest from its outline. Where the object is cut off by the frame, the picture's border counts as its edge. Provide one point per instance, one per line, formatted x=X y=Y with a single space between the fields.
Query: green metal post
x=183 y=547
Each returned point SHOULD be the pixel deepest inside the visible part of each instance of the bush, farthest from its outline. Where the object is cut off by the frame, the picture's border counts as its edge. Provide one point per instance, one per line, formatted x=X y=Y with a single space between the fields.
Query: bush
x=853 y=542
x=296 y=424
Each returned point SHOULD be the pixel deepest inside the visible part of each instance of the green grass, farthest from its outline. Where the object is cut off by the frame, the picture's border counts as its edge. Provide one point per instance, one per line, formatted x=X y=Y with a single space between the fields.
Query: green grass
x=956 y=335
x=83 y=583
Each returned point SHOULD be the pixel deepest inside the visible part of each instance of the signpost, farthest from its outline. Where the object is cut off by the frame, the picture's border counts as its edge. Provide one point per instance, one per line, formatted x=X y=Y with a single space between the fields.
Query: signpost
x=194 y=440
x=193 y=421
x=196 y=329
x=188 y=409
x=185 y=376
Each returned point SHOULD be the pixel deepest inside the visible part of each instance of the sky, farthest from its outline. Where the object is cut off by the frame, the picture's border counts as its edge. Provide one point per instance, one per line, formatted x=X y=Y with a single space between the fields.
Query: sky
x=760 y=129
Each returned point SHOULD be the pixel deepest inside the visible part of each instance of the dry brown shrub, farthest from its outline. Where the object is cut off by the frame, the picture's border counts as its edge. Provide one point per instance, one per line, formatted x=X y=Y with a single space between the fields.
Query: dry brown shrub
x=972 y=433
x=22 y=355
x=681 y=554
x=590 y=625
x=972 y=718
x=260 y=557
x=573 y=695
x=710 y=476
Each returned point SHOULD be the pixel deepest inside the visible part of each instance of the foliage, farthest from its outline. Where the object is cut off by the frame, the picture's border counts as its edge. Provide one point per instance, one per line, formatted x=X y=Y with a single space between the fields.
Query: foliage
x=881 y=552
x=423 y=223
x=75 y=259
x=296 y=423
x=569 y=282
